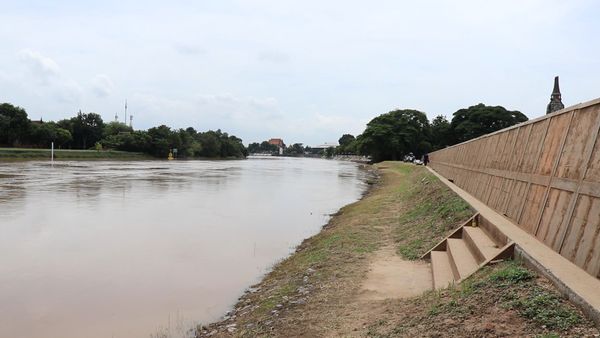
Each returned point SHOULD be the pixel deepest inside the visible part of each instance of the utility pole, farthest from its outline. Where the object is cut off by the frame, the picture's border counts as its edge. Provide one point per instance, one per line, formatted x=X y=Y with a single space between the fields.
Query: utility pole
x=125 y=121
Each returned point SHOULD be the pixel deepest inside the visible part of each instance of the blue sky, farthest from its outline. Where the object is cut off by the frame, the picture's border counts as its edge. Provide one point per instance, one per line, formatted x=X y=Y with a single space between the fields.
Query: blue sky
x=306 y=71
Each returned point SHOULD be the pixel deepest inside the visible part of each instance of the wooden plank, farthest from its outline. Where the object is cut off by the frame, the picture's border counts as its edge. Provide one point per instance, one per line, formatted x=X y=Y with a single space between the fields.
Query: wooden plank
x=531 y=207
x=584 y=168
x=541 y=142
x=553 y=216
x=588 y=237
x=583 y=129
x=514 y=183
x=554 y=156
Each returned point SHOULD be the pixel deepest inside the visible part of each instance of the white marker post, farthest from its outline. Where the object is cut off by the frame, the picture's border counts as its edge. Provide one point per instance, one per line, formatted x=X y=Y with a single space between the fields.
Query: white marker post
x=52 y=153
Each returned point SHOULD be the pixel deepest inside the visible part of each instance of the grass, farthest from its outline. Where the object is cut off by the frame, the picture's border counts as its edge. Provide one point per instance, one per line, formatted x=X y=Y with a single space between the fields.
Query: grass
x=508 y=286
x=68 y=154
x=432 y=211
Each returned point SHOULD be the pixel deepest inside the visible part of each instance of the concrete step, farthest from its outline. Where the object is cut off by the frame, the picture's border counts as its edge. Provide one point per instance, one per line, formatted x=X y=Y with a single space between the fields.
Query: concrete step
x=462 y=260
x=481 y=245
x=441 y=270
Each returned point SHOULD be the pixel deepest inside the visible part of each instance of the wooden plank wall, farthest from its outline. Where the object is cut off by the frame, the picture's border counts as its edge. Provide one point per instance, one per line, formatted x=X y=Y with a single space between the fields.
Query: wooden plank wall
x=544 y=175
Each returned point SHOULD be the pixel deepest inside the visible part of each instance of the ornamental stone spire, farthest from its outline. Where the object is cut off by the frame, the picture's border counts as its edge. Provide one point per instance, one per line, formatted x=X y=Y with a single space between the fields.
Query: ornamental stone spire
x=555 y=99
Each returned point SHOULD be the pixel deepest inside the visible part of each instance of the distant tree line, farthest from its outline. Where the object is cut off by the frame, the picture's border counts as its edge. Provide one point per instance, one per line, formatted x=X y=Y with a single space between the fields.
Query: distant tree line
x=88 y=131
x=393 y=135
x=293 y=150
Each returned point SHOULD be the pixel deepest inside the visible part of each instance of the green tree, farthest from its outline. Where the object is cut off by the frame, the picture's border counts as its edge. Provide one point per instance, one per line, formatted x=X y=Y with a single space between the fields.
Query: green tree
x=44 y=134
x=346 y=139
x=254 y=148
x=441 y=133
x=472 y=122
x=87 y=129
x=266 y=147
x=160 y=140
x=392 y=135
x=329 y=152
x=347 y=144
x=14 y=124
x=115 y=128
x=295 y=149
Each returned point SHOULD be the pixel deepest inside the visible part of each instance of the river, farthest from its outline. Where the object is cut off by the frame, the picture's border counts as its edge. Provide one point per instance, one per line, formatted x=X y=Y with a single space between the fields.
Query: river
x=151 y=248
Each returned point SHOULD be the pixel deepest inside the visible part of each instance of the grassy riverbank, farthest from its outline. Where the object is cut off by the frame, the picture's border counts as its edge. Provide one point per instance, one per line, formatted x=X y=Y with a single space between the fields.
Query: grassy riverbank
x=317 y=291
x=67 y=154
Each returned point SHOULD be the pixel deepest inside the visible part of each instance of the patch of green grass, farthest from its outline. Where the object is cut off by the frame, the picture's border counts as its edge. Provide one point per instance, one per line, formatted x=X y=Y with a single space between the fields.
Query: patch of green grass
x=546 y=309
x=26 y=153
x=411 y=250
x=513 y=273
x=270 y=303
x=404 y=168
x=431 y=211
x=511 y=286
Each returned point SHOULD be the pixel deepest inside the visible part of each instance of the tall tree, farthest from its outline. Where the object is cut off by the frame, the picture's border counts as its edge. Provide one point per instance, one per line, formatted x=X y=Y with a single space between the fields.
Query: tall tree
x=347 y=144
x=87 y=129
x=346 y=139
x=472 y=122
x=440 y=132
x=14 y=124
x=392 y=135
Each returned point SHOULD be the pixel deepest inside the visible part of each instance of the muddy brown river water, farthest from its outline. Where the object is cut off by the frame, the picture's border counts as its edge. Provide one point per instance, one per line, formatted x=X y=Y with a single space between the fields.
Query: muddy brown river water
x=151 y=248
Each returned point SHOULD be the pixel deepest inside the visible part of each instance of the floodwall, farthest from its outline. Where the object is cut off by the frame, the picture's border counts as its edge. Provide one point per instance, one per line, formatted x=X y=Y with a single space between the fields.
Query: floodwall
x=543 y=174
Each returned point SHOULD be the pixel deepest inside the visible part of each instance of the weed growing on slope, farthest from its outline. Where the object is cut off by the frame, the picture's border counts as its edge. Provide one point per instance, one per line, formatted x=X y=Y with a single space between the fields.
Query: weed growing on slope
x=510 y=286
x=431 y=210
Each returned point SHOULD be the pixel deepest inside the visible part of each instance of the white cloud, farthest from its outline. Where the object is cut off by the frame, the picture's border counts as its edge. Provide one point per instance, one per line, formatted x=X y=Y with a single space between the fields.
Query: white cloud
x=102 y=86
x=44 y=77
x=273 y=57
x=189 y=49
x=284 y=63
x=41 y=67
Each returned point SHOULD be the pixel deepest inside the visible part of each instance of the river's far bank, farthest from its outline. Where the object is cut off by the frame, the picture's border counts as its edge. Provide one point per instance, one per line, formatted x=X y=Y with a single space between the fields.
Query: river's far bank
x=27 y=154
x=321 y=291
x=16 y=154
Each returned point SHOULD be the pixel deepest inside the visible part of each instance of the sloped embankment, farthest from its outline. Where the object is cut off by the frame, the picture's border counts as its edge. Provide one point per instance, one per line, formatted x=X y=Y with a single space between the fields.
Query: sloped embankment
x=318 y=291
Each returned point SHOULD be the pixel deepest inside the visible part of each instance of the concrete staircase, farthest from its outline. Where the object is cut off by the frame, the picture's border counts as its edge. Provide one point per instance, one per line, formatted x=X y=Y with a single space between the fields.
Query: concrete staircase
x=473 y=245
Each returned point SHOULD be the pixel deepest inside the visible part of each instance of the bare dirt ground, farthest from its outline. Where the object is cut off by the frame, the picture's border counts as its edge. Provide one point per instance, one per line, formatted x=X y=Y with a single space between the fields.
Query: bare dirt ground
x=359 y=277
x=390 y=276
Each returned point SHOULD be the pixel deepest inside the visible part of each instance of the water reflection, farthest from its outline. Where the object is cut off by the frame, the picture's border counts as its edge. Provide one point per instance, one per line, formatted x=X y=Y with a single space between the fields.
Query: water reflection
x=120 y=249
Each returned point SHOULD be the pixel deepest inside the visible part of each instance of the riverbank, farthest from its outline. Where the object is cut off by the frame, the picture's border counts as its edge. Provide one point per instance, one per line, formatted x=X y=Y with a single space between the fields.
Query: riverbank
x=68 y=154
x=325 y=288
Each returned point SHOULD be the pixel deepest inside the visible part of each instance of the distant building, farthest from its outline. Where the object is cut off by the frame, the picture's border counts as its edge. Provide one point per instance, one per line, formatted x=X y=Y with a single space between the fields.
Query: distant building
x=326 y=145
x=279 y=143
x=555 y=99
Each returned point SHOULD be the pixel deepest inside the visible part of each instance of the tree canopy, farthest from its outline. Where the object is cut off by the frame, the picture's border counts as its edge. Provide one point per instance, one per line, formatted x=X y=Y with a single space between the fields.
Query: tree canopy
x=14 y=124
x=87 y=130
x=441 y=132
x=472 y=122
x=392 y=135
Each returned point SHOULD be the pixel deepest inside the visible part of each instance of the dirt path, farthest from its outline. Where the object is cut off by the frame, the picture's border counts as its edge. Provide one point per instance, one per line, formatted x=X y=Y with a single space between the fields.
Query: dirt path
x=390 y=276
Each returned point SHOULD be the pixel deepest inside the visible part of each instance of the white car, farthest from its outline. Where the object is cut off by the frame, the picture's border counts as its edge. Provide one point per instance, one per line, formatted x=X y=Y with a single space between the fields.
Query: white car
x=418 y=162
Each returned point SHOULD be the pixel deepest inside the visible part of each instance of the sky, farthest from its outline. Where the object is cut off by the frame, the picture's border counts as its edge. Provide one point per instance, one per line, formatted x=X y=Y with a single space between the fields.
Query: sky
x=305 y=71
